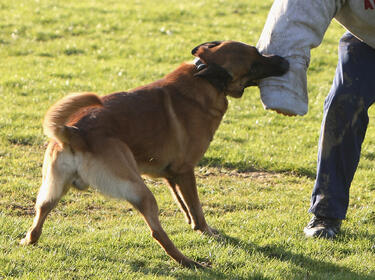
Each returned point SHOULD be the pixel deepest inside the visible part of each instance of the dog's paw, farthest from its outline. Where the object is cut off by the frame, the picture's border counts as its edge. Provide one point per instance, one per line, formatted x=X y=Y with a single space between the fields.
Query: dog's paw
x=213 y=231
x=25 y=241
x=209 y=231
x=28 y=240
x=192 y=264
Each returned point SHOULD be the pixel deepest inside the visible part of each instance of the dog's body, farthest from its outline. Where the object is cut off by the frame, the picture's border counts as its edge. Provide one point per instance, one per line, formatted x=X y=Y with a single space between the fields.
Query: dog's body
x=161 y=129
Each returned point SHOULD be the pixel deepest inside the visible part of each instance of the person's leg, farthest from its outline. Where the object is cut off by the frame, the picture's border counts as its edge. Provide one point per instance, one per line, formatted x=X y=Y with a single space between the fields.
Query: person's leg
x=343 y=130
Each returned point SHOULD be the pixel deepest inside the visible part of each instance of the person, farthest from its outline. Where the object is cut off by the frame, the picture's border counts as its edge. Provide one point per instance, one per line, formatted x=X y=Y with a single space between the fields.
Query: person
x=292 y=29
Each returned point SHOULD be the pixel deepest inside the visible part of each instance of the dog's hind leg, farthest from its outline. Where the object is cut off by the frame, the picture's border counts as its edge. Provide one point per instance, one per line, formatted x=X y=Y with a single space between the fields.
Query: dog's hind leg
x=113 y=171
x=149 y=209
x=57 y=169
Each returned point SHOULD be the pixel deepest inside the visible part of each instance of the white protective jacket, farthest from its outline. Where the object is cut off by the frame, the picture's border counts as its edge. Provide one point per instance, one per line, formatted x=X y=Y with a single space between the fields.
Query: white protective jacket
x=293 y=27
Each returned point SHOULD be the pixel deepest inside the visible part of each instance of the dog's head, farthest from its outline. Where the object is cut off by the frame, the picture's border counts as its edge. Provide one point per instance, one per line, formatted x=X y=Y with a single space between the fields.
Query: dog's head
x=232 y=66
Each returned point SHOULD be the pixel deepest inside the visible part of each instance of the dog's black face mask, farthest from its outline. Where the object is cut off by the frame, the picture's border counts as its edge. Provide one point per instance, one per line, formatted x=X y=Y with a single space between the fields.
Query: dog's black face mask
x=216 y=75
x=233 y=66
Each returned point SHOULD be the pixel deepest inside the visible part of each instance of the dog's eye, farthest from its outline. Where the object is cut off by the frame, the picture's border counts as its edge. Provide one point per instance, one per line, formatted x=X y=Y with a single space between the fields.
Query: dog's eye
x=254 y=69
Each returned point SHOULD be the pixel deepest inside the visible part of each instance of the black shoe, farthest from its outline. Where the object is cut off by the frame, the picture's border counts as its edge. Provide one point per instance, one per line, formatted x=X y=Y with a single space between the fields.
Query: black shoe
x=322 y=227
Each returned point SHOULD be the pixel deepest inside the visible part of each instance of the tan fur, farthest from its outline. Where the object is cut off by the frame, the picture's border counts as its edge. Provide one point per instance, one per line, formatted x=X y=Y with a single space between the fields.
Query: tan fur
x=161 y=129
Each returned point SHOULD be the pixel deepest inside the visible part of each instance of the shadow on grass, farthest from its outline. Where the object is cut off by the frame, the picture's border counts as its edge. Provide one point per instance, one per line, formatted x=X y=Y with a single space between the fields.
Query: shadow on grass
x=243 y=167
x=206 y=273
x=312 y=269
x=315 y=269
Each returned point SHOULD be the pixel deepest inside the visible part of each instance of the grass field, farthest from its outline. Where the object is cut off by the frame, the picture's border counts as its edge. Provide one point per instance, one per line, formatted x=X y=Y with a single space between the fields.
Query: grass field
x=254 y=181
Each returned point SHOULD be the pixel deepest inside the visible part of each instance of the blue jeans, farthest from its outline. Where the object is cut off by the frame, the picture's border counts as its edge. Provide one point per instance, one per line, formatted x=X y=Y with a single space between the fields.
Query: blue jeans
x=344 y=127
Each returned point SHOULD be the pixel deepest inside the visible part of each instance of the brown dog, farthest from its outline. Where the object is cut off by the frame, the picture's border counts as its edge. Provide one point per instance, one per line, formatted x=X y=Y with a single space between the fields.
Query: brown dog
x=161 y=129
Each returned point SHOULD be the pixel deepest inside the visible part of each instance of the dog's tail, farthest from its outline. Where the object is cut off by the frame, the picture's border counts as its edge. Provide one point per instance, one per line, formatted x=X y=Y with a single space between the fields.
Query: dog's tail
x=54 y=125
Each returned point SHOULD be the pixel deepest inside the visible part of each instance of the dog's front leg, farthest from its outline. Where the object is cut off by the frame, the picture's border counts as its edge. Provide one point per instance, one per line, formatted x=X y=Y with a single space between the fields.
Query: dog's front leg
x=176 y=194
x=187 y=190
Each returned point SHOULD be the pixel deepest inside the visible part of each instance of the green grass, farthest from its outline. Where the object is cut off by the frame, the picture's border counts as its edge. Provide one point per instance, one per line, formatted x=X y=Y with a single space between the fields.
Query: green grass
x=254 y=181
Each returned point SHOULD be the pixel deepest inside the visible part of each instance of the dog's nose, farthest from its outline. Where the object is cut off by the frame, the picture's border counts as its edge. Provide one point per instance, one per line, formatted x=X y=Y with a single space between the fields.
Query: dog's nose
x=284 y=65
x=281 y=63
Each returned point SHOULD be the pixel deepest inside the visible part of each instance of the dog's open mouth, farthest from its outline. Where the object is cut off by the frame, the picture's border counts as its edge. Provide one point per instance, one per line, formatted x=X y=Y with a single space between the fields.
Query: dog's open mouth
x=251 y=83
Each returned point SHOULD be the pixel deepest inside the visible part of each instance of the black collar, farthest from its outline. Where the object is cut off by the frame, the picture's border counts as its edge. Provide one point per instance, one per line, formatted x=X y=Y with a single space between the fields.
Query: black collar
x=213 y=73
x=199 y=64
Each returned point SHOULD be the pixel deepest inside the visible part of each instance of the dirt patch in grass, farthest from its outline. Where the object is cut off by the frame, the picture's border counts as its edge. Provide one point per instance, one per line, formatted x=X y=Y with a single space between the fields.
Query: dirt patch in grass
x=204 y=172
x=20 y=210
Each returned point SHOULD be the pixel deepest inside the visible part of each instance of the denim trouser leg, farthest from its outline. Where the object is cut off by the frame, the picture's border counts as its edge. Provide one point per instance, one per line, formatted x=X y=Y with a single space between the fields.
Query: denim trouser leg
x=344 y=127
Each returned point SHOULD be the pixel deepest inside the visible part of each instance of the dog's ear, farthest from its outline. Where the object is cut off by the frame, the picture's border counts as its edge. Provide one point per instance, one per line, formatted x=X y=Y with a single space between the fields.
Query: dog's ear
x=216 y=75
x=203 y=50
x=205 y=45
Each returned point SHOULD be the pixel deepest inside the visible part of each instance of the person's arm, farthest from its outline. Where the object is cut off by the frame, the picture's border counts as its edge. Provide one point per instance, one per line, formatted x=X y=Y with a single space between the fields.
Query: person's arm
x=293 y=27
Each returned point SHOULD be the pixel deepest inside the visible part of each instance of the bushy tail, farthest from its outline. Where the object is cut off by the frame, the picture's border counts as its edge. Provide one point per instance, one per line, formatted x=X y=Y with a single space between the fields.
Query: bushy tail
x=59 y=114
